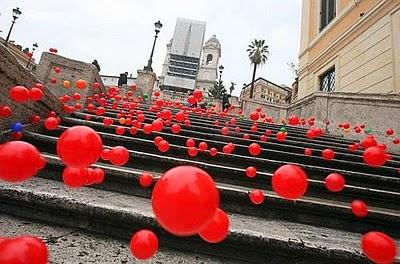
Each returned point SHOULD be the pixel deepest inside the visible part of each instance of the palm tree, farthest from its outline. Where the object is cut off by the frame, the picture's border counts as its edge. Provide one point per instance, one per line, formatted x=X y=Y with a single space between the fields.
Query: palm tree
x=258 y=55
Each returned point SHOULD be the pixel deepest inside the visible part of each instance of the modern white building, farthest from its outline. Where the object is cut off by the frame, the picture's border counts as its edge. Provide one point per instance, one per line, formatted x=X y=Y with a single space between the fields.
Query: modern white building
x=188 y=64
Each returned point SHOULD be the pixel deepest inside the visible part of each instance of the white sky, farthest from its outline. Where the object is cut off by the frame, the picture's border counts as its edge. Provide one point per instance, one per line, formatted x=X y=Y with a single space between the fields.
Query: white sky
x=119 y=33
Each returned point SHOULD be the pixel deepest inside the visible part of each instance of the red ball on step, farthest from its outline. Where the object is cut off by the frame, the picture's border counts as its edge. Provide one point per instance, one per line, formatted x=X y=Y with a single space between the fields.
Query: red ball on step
x=22 y=250
x=379 y=247
x=257 y=196
x=218 y=228
x=290 y=182
x=144 y=244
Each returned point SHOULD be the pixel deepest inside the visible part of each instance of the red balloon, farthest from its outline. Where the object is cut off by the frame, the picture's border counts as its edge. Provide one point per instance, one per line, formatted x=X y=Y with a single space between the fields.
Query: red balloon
x=254 y=149
x=120 y=130
x=281 y=136
x=176 y=128
x=79 y=147
x=144 y=244
x=254 y=116
x=80 y=84
x=74 y=177
x=218 y=228
x=19 y=94
x=203 y=146
x=184 y=200
x=328 y=154
x=57 y=70
x=293 y=120
x=290 y=182
x=191 y=100
x=145 y=180
x=190 y=142
x=375 y=156
x=246 y=136
x=359 y=208
x=368 y=141
x=192 y=151
x=257 y=196
x=251 y=172
x=163 y=146
x=96 y=85
x=5 y=111
x=307 y=151
x=379 y=247
x=157 y=125
x=107 y=121
x=35 y=119
x=225 y=131
x=35 y=94
x=51 y=123
x=141 y=117
x=157 y=140
x=23 y=250
x=310 y=134
x=119 y=156
x=147 y=129
x=213 y=152
x=335 y=182
x=19 y=161
x=197 y=94
x=352 y=148
x=253 y=129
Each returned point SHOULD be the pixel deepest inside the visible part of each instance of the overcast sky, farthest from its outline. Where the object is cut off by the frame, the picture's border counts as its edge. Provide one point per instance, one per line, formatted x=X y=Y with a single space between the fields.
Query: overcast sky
x=120 y=35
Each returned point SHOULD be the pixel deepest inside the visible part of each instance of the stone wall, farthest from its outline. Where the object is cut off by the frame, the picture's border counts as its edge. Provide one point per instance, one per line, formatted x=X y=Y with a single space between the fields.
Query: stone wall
x=71 y=70
x=11 y=74
x=378 y=112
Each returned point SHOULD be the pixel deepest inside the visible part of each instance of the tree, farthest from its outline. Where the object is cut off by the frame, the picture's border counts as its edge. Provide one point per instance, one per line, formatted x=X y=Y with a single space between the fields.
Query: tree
x=258 y=55
x=218 y=91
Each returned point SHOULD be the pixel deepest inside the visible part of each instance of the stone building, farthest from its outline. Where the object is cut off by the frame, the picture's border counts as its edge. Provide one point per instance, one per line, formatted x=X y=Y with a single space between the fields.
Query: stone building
x=112 y=80
x=267 y=91
x=350 y=46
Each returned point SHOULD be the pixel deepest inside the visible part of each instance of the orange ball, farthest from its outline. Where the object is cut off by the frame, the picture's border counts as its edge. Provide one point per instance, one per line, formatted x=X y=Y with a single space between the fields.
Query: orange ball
x=80 y=84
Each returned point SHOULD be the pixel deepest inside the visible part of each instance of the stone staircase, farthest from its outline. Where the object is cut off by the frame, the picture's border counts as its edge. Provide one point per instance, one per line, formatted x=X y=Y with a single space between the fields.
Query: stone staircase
x=319 y=228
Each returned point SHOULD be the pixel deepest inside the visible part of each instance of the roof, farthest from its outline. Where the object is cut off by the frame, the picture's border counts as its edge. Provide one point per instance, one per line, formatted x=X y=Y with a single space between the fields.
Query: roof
x=286 y=88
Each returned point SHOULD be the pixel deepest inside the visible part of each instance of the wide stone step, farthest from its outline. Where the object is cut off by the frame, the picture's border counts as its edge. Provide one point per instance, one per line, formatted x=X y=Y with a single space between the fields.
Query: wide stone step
x=309 y=210
x=119 y=215
x=72 y=244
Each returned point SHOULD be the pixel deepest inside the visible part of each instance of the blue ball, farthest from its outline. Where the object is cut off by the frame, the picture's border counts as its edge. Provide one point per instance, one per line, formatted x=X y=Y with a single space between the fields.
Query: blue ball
x=16 y=127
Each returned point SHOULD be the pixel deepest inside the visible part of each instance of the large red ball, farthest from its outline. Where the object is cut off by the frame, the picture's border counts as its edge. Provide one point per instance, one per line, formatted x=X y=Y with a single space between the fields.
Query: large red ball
x=334 y=182
x=23 y=250
x=375 y=156
x=35 y=94
x=19 y=161
x=75 y=177
x=19 y=94
x=79 y=147
x=290 y=182
x=379 y=247
x=368 y=141
x=144 y=244
x=218 y=228
x=119 y=156
x=184 y=200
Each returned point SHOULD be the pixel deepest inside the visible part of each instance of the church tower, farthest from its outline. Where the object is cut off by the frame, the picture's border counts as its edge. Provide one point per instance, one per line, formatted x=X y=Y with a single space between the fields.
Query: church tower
x=208 y=72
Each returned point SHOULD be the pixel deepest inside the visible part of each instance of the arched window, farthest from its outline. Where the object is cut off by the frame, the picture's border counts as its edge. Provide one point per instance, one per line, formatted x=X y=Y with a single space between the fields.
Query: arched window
x=209 y=58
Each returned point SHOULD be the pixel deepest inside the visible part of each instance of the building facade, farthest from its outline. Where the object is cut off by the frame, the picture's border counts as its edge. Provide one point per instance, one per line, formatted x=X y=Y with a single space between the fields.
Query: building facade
x=182 y=60
x=265 y=90
x=349 y=46
x=208 y=72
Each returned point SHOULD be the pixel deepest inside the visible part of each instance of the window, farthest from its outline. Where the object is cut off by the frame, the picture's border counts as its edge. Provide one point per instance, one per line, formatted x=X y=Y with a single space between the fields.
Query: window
x=327 y=81
x=263 y=96
x=209 y=58
x=328 y=12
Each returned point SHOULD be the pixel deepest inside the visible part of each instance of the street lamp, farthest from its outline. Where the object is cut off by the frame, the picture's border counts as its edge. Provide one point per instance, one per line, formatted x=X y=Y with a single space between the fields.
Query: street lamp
x=158 y=26
x=31 y=55
x=16 y=14
x=221 y=68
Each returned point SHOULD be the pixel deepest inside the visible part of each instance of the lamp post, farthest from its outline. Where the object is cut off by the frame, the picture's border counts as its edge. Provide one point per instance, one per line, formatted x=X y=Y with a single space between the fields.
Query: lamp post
x=16 y=14
x=158 y=26
x=30 y=57
x=221 y=69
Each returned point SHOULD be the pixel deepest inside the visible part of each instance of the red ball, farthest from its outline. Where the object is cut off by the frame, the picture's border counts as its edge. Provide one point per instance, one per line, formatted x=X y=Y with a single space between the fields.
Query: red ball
x=144 y=244
x=191 y=100
x=328 y=154
x=119 y=156
x=147 y=129
x=74 y=177
x=19 y=94
x=290 y=182
x=197 y=94
x=225 y=131
x=368 y=141
x=176 y=128
x=293 y=120
x=80 y=84
x=51 y=123
x=157 y=125
x=359 y=208
x=257 y=196
x=57 y=70
x=22 y=250
x=310 y=134
x=251 y=172
x=145 y=180
x=5 y=111
x=190 y=142
x=254 y=116
x=375 y=156
x=389 y=131
x=213 y=152
x=107 y=121
x=35 y=119
x=163 y=146
x=307 y=151
x=184 y=200
x=192 y=151
x=335 y=182
x=218 y=228
x=379 y=247
x=352 y=148
x=157 y=140
x=281 y=136
x=19 y=161
x=203 y=146
x=79 y=147
x=179 y=117
x=35 y=94
x=254 y=149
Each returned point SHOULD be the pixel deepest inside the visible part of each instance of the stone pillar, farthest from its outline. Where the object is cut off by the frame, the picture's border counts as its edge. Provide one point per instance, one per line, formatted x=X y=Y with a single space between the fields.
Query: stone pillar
x=145 y=81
